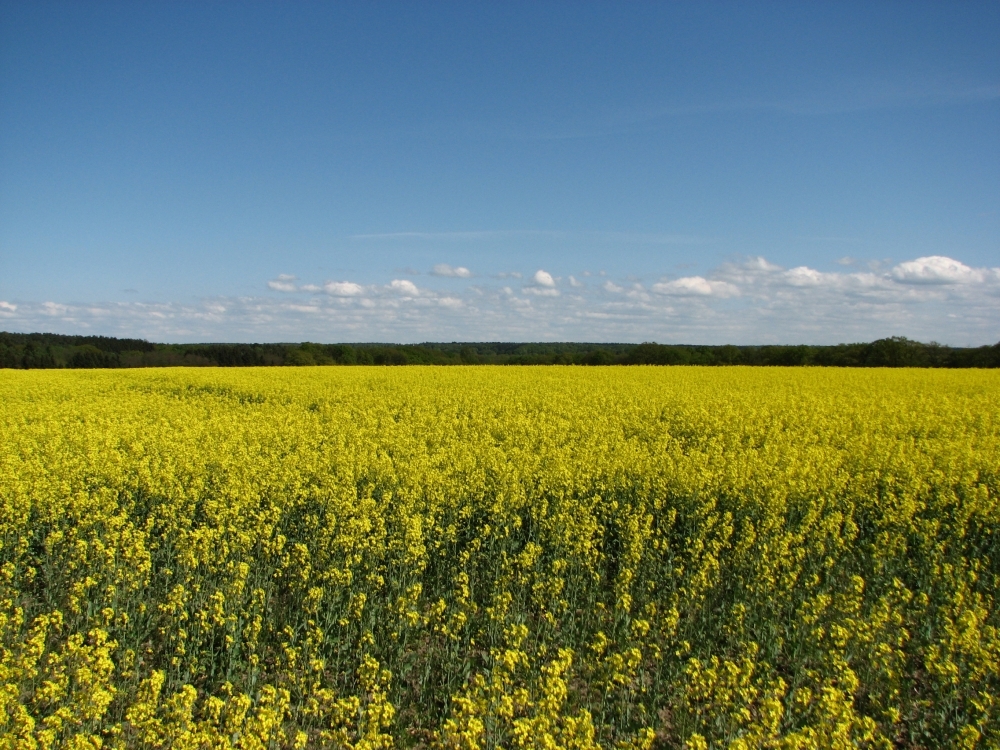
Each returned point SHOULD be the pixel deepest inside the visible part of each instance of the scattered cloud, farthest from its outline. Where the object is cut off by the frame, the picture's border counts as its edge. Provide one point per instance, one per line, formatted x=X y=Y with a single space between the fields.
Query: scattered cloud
x=54 y=309
x=284 y=283
x=543 y=278
x=938 y=269
x=696 y=286
x=541 y=291
x=803 y=276
x=404 y=287
x=343 y=289
x=443 y=269
x=750 y=300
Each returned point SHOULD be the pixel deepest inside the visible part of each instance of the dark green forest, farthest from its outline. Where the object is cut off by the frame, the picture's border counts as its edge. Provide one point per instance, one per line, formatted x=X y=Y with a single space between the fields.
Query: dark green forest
x=49 y=350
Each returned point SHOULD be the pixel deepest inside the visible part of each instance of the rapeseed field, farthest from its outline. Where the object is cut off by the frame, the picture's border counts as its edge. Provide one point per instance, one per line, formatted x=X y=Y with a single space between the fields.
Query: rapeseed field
x=496 y=557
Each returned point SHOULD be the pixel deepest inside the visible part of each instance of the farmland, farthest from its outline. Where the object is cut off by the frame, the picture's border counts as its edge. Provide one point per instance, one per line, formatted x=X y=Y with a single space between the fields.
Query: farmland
x=484 y=557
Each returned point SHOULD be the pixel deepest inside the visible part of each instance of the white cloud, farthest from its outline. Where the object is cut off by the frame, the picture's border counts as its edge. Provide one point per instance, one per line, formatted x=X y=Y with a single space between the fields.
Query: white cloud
x=543 y=278
x=343 y=289
x=936 y=269
x=696 y=286
x=404 y=287
x=748 y=301
x=573 y=282
x=803 y=276
x=284 y=283
x=54 y=309
x=638 y=292
x=443 y=269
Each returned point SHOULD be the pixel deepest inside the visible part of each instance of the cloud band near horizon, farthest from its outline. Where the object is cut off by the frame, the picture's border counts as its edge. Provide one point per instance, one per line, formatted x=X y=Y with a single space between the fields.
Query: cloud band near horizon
x=751 y=301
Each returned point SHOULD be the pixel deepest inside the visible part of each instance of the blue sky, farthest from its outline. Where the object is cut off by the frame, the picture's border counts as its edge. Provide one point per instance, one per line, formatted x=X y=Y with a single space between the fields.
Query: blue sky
x=677 y=172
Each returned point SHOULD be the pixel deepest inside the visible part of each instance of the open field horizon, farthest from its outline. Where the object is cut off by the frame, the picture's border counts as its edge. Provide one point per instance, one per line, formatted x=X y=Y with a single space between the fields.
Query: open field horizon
x=47 y=350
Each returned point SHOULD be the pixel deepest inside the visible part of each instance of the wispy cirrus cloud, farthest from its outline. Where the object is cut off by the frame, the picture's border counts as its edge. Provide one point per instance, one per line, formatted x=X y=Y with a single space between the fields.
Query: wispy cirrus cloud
x=860 y=94
x=750 y=300
x=487 y=234
x=493 y=235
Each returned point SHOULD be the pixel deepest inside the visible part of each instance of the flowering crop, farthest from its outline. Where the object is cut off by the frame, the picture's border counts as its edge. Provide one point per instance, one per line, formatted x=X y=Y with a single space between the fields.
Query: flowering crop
x=488 y=557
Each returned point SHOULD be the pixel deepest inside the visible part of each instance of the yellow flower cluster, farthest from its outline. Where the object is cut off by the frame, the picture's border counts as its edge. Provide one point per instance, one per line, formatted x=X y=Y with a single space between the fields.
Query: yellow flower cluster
x=481 y=558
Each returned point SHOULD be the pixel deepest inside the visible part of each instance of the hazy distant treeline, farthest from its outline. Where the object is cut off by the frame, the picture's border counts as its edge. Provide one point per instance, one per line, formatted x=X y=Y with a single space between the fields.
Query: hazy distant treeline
x=48 y=350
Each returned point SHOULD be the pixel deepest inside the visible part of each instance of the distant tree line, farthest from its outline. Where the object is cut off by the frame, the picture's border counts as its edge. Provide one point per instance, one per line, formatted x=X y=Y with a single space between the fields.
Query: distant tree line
x=48 y=350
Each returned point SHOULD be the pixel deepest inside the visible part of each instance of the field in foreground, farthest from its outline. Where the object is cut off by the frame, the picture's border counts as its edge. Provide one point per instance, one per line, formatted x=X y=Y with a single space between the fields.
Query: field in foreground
x=489 y=557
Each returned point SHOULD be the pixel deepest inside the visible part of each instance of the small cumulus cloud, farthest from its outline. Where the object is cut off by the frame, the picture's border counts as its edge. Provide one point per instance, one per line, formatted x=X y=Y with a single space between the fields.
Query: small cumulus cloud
x=404 y=287
x=507 y=275
x=696 y=286
x=459 y=272
x=284 y=283
x=343 y=289
x=927 y=298
x=937 y=269
x=803 y=276
x=543 y=278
